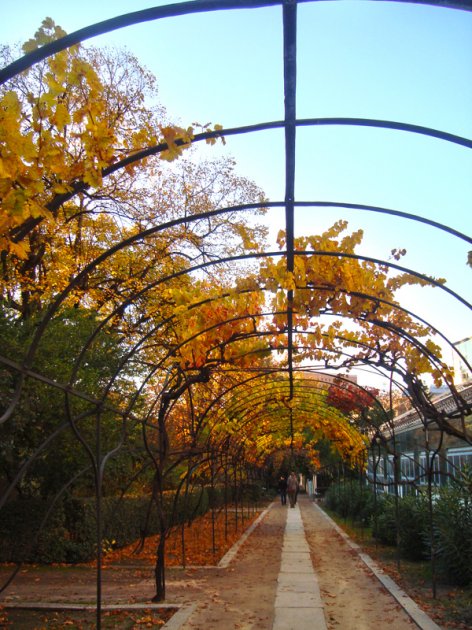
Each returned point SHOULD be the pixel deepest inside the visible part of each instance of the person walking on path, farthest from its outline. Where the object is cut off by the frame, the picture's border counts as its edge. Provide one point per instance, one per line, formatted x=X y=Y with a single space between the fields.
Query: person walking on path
x=292 y=489
x=282 y=486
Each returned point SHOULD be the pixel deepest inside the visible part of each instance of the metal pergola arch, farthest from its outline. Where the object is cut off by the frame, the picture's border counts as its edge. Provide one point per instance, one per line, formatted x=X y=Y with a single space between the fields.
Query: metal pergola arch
x=254 y=409
x=305 y=385
x=131 y=299
x=412 y=391
x=289 y=124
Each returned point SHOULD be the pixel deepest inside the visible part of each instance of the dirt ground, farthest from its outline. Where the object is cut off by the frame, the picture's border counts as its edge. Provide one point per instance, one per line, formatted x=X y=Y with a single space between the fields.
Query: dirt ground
x=354 y=599
x=241 y=596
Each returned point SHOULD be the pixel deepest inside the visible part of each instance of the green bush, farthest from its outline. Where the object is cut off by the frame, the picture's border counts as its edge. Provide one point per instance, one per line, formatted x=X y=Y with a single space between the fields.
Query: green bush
x=192 y=504
x=413 y=525
x=20 y=535
x=384 y=527
x=452 y=524
x=351 y=500
x=254 y=492
x=452 y=527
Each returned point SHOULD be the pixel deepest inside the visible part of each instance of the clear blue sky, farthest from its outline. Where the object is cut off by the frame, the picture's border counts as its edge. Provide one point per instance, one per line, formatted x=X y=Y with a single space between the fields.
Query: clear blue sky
x=391 y=61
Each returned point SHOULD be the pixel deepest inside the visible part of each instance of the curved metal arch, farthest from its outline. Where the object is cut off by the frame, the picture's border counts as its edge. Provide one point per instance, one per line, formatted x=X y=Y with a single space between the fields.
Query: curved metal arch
x=252 y=316
x=273 y=384
x=154 y=230
x=232 y=389
x=338 y=352
x=95 y=263
x=398 y=307
x=400 y=332
x=266 y=126
x=301 y=385
x=241 y=385
x=260 y=401
x=58 y=200
x=330 y=415
x=400 y=369
x=379 y=323
x=78 y=187
x=285 y=348
x=56 y=304
x=373 y=367
x=321 y=370
x=171 y=10
x=381 y=210
x=257 y=334
x=334 y=314
x=268 y=333
x=285 y=421
x=365 y=361
x=377 y=299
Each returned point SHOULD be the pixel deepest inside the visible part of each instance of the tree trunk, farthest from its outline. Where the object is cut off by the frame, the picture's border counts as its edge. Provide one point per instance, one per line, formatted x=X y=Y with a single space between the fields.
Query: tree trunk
x=159 y=570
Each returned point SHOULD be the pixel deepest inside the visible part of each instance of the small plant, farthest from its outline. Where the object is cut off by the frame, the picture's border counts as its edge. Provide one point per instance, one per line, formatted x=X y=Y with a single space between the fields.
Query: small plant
x=108 y=545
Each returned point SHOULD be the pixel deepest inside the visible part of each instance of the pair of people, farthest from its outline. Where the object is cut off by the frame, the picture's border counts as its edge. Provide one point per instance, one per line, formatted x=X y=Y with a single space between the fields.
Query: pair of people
x=288 y=486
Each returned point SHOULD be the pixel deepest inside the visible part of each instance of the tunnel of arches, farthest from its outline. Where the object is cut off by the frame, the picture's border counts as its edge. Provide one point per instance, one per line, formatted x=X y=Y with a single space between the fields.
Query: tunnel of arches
x=163 y=366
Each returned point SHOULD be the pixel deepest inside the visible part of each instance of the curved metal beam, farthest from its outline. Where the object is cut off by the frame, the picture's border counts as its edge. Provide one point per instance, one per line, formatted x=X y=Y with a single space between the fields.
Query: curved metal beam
x=172 y=10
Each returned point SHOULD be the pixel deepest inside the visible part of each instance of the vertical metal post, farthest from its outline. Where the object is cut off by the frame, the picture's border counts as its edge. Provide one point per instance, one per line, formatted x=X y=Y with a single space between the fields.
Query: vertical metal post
x=212 y=487
x=290 y=82
x=235 y=496
x=226 y=498
x=99 y=516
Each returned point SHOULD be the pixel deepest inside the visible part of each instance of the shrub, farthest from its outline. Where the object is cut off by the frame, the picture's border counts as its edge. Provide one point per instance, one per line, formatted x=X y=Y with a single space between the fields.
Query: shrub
x=384 y=527
x=412 y=525
x=20 y=535
x=351 y=500
x=452 y=527
x=452 y=524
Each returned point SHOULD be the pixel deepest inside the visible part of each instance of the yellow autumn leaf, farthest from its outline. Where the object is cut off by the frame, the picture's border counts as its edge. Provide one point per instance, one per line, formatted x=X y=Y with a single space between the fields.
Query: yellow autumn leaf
x=19 y=249
x=61 y=116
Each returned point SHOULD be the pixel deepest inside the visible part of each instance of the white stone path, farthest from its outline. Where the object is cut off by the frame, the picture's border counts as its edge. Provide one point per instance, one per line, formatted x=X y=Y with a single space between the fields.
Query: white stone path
x=298 y=604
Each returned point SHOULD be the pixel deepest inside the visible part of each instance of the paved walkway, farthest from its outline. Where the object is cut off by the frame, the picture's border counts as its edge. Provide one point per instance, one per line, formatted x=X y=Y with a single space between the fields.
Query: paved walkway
x=298 y=602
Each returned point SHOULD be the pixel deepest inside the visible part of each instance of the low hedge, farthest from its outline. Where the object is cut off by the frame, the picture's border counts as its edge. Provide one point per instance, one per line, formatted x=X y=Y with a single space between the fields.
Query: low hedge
x=351 y=500
x=69 y=533
x=20 y=523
